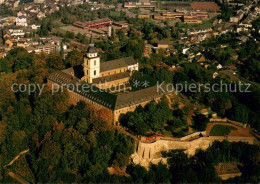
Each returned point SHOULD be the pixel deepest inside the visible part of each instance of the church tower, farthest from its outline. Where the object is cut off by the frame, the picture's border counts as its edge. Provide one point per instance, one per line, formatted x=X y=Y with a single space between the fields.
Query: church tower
x=91 y=63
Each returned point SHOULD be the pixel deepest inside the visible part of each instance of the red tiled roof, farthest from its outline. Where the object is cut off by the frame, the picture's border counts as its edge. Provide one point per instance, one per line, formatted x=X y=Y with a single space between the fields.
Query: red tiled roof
x=205 y=6
x=91 y=23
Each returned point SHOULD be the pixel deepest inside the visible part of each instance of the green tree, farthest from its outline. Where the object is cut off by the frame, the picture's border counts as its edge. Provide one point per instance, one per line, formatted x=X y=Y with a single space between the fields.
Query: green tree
x=200 y=122
x=82 y=126
x=54 y=61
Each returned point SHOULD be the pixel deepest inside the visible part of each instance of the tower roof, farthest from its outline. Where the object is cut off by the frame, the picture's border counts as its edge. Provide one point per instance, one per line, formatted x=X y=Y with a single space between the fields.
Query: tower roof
x=91 y=46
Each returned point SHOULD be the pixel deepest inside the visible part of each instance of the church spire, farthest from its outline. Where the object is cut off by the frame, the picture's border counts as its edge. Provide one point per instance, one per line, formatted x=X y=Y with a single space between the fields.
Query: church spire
x=91 y=47
x=91 y=43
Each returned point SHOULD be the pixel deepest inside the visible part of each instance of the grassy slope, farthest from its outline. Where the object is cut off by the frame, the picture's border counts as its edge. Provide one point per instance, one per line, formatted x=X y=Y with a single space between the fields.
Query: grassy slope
x=220 y=130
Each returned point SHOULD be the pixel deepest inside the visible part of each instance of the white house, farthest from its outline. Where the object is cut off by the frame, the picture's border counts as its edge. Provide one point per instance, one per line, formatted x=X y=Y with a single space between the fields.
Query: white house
x=34 y=10
x=21 y=21
x=21 y=13
x=35 y=27
x=234 y=19
x=247 y=25
x=215 y=74
x=16 y=32
x=40 y=15
x=39 y=1
x=133 y=67
x=185 y=50
x=219 y=66
x=95 y=8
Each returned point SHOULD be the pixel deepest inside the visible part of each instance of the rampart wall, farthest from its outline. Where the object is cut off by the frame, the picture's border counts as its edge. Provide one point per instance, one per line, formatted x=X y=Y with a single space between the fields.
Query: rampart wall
x=151 y=152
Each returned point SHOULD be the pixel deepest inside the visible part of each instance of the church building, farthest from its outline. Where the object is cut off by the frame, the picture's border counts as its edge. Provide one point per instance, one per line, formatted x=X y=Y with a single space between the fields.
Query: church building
x=106 y=75
x=109 y=74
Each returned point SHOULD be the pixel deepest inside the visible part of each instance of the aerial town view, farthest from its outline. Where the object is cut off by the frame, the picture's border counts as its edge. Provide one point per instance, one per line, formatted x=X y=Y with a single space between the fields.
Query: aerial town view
x=129 y=91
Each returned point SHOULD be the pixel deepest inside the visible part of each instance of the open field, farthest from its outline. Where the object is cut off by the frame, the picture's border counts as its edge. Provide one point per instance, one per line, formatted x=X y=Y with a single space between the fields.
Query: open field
x=205 y=24
x=235 y=131
x=221 y=130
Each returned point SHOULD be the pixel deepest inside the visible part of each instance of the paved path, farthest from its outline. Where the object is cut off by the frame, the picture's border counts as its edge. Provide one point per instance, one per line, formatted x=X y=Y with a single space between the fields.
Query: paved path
x=17 y=157
x=18 y=178
x=126 y=133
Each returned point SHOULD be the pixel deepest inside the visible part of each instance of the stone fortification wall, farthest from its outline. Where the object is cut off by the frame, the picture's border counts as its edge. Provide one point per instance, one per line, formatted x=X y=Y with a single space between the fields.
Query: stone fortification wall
x=151 y=152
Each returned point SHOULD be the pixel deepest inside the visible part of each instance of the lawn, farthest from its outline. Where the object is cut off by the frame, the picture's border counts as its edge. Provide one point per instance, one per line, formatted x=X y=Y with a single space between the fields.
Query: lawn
x=115 y=14
x=221 y=130
x=205 y=24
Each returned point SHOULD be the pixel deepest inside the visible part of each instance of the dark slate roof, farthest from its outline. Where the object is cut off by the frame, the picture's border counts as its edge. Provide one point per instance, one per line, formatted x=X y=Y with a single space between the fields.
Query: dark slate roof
x=112 y=77
x=106 y=99
x=101 y=97
x=62 y=78
x=135 y=97
x=91 y=48
x=117 y=63
x=130 y=61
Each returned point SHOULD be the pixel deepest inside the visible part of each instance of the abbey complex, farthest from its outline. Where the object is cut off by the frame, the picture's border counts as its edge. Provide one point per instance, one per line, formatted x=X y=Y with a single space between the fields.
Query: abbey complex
x=111 y=81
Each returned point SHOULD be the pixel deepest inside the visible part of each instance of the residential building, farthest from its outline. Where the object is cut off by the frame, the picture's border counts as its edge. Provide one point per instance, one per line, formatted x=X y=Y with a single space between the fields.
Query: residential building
x=9 y=43
x=121 y=24
x=16 y=32
x=140 y=4
x=93 y=24
x=47 y=49
x=21 y=13
x=21 y=21
x=35 y=27
x=190 y=19
x=15 y=4
x=163 y=44
x=39 y=1
x=234 y=19
x=40 y=15
x=144 y=16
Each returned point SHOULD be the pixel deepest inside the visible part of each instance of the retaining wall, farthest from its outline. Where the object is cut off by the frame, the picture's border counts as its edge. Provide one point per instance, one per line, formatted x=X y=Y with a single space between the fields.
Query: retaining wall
x=151 y=152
